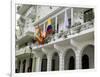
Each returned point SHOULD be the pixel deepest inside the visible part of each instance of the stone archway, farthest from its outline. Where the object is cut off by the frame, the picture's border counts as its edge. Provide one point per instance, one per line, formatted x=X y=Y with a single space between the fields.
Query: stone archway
x=87 y=57
x=44 y=63
x=55 y=62
x=69 y=60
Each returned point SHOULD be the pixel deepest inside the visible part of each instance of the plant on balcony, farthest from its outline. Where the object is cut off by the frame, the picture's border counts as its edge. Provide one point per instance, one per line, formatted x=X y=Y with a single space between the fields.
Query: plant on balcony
x=91 y=23
x=60 y=34
x=65 y=34
x=76 y=27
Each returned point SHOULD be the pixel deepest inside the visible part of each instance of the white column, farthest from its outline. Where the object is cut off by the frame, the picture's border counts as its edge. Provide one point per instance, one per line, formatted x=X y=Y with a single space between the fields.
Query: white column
x=34 y=64
x=21 y=66
x=49 y=60
x=78 y=60
x=27 y=65
x=72 y=20
x=56 y=23
x=61 y=61
x=38 y=63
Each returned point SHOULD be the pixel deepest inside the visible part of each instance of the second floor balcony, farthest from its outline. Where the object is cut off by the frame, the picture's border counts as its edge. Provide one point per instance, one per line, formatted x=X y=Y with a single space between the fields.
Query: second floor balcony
x=72 y=32
x=75 y=29
x=85 y=33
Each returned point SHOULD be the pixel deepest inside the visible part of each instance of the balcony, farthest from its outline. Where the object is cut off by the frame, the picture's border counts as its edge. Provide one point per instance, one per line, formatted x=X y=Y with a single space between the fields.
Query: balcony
x=23 y=51
x=78 y=27
x=26 y=37
x=61 y=34
x=81 y=32
x=72 y=32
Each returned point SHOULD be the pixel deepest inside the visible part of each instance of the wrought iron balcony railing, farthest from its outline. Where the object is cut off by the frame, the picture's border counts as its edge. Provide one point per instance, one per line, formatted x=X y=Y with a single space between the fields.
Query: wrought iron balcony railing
x=73 y=30
x=65 y=34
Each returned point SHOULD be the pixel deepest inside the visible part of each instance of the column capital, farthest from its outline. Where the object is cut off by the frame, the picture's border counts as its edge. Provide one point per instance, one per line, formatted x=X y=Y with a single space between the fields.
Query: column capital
x=38 y=53
x=49 y=49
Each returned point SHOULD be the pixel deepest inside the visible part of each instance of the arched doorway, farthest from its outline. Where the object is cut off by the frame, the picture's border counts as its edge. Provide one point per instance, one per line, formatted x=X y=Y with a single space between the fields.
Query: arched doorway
x=71 y=63
x=69 y=60
x=55 y=62
x=24 y=65
x=44 y=63
x=87 y=59
x=85 y=62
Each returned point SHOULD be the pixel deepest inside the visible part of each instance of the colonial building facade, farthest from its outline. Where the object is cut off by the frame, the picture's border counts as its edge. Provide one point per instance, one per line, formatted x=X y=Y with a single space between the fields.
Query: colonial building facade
x=70 y=47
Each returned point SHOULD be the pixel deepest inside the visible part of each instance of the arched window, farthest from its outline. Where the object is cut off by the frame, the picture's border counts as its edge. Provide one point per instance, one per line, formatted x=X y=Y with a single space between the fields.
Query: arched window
x=69 y=60
x=44 y=63
x=55 y=62
x=87 y=57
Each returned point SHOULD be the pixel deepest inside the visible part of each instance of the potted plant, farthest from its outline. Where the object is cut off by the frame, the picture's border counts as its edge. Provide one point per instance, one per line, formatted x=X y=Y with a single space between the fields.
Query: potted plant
x=76 y=27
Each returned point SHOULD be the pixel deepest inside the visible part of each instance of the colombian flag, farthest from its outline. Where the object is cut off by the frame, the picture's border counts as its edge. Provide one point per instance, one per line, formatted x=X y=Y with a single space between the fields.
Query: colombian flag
x=49 y=26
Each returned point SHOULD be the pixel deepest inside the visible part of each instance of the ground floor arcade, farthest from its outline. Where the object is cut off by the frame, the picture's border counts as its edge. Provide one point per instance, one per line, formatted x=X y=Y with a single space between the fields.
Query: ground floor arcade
x=70 y=58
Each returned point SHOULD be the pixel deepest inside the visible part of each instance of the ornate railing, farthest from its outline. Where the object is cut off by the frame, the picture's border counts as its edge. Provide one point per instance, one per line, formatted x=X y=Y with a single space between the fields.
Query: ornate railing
x=82 y=27
x=64 y=34
x=23 y=50
x=73 y=30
